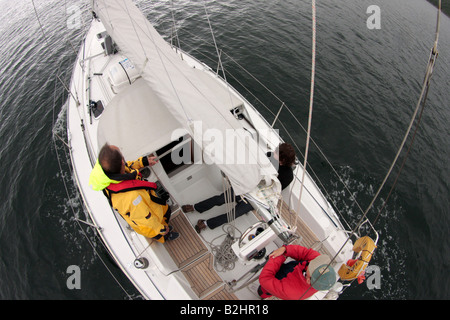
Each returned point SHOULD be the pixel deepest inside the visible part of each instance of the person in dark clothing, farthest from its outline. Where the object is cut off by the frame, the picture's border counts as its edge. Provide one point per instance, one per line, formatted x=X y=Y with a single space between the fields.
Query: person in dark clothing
x=283 y=158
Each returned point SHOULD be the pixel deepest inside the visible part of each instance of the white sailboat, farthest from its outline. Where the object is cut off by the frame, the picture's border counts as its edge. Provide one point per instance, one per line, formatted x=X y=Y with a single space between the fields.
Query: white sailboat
x=132 y=89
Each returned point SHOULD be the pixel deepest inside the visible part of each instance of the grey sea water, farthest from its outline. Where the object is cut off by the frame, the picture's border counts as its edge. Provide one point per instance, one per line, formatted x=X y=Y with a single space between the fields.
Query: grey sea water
x=367 y=85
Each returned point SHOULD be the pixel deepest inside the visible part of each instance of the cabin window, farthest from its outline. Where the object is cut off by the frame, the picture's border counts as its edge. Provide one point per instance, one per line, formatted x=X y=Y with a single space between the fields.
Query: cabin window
x=176 y=155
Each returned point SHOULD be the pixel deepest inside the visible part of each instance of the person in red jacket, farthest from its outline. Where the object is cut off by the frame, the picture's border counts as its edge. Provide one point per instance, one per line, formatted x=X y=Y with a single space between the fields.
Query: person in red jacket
x=297 y=279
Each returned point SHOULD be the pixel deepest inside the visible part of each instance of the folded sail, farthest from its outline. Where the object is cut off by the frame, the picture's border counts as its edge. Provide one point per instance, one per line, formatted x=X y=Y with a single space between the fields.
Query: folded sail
x=182 y=90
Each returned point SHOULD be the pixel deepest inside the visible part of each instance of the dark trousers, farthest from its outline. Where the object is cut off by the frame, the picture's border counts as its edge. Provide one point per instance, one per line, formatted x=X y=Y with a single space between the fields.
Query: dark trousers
x=241 y=208
x=285 y=269
x=167 y=218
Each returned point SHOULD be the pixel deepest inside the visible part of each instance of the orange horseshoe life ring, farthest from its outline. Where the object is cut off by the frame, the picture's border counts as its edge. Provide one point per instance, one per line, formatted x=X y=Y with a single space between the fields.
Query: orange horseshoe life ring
x=365 y=246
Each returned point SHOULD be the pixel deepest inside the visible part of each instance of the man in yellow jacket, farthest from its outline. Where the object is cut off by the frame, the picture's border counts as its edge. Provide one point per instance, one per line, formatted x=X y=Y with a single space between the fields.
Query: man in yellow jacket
x=133 y=198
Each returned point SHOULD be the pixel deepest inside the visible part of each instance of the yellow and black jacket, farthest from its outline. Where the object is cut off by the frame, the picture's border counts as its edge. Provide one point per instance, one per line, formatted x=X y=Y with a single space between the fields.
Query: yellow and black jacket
x=134 y=199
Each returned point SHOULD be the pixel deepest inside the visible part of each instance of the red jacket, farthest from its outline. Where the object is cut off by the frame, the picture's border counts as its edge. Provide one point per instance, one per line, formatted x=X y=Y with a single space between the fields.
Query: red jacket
x=294 y=285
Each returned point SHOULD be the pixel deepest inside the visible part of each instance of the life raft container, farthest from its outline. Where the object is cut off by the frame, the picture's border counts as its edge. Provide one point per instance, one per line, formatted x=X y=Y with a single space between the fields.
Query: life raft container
x=365 y=247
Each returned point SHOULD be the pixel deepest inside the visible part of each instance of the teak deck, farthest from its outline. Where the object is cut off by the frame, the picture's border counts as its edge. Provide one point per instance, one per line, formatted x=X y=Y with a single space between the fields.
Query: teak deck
x=189 y=247
x=195 y=261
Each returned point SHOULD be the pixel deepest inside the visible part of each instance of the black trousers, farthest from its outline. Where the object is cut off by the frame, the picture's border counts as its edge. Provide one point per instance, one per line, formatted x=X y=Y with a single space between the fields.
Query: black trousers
x=167 y=218
x=241 y=208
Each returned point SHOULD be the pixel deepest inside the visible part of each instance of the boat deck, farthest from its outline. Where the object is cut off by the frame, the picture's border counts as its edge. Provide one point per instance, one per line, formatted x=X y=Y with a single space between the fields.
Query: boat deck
x=307 y=237
x=190 y=248
x=195 y=260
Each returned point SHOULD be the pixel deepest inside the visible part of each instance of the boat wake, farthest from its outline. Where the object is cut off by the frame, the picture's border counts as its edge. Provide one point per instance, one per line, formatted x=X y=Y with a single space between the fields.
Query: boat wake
x=389 y=252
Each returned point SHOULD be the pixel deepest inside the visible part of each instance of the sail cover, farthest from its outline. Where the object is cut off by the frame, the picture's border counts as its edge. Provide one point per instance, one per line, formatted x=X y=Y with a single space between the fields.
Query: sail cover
x=184 y=93
x=125 y=122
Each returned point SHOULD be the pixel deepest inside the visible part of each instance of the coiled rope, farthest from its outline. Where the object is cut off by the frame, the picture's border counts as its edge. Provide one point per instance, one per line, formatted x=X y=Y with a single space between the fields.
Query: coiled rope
x=224 y=257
